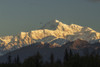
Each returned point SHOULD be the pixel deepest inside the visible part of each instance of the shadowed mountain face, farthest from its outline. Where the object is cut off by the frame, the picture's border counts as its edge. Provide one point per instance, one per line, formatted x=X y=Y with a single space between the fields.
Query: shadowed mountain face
x=53 y=32
x=78 y=46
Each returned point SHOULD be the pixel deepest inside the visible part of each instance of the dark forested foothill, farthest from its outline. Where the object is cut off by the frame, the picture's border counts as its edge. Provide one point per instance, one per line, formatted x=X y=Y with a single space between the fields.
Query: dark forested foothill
x=70 y=60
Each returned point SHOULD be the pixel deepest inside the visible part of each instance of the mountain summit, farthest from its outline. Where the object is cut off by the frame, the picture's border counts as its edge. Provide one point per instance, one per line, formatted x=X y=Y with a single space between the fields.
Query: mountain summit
x=51 y=32
x=58 y=25
x=52 y=25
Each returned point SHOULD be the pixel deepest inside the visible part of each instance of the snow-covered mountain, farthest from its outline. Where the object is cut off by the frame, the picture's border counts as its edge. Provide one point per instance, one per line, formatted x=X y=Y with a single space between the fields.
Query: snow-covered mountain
x=53 y=32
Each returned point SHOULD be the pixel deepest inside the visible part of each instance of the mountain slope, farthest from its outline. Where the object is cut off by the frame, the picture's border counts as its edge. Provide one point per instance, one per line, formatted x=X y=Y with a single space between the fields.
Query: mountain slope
x=48 y=33
x=78 y=46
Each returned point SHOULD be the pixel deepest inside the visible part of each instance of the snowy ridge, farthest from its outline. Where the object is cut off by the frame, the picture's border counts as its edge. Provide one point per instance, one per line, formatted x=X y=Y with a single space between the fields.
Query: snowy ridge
x=54 y=32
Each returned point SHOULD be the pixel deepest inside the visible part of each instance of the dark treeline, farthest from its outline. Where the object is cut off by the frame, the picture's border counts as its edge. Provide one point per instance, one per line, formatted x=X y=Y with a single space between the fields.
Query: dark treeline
x=70 y=60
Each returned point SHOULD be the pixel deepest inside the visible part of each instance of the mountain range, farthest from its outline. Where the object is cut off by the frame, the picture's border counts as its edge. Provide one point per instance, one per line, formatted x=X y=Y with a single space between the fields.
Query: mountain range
x=54 y=33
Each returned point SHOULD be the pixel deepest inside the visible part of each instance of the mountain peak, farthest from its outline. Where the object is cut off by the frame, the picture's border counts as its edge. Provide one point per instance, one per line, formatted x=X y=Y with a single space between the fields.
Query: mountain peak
x=51 y=25
x=56 y=20
x=75 y=25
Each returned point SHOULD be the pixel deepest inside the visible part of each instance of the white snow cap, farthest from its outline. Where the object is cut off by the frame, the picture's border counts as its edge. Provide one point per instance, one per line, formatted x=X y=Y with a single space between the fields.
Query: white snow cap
x=56 y=20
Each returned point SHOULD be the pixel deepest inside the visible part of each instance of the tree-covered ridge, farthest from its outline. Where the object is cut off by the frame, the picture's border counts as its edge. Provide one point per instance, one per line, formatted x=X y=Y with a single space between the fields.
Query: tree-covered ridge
x=70 y=60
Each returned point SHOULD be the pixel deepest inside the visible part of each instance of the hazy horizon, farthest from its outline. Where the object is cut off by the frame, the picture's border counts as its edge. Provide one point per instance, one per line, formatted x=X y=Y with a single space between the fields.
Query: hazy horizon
x=26 y=15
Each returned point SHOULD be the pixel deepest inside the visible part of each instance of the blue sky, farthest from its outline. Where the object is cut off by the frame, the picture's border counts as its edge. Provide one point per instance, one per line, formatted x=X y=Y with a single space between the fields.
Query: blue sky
x=26 y=15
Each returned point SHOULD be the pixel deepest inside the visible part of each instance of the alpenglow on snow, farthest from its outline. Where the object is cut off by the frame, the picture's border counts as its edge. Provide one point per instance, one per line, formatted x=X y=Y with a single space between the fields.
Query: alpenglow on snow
x=52 y=32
